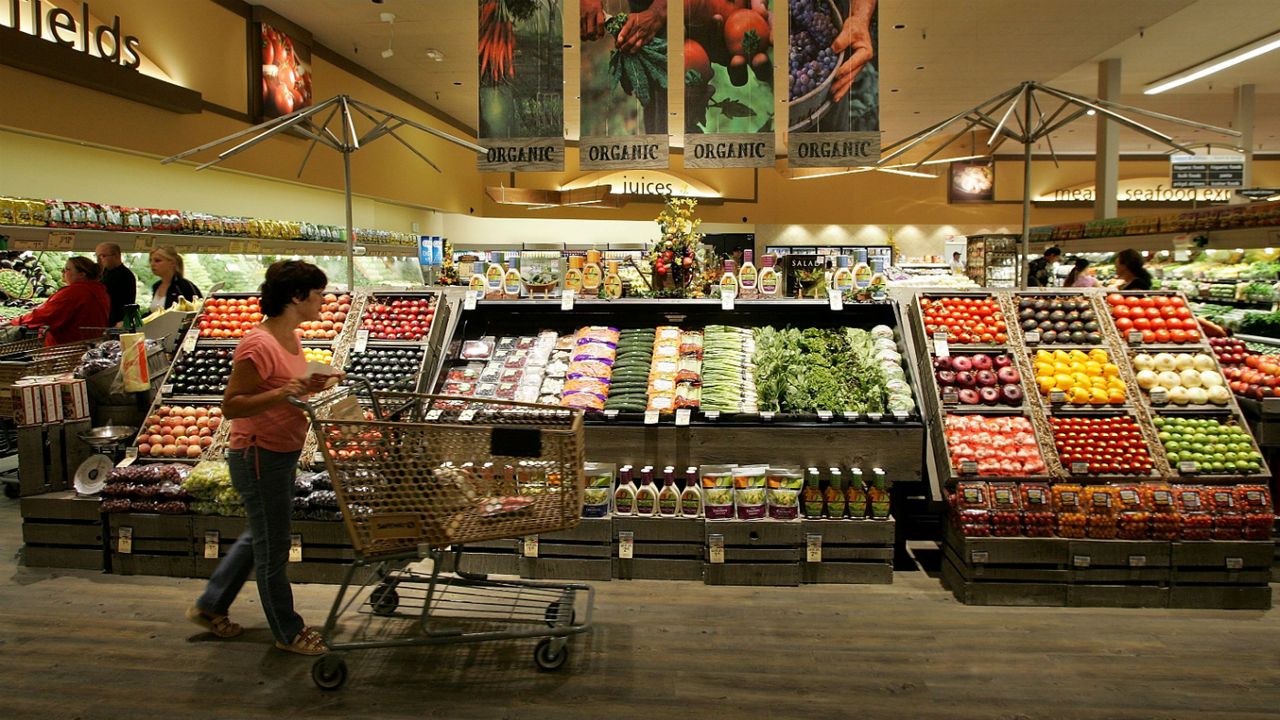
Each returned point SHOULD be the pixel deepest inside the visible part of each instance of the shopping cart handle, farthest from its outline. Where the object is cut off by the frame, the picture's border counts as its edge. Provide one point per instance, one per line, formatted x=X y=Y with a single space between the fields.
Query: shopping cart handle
x=368 y=388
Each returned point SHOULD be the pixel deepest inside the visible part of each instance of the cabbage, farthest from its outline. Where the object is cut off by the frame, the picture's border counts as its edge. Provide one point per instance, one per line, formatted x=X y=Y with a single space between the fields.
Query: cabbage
x=898 y=401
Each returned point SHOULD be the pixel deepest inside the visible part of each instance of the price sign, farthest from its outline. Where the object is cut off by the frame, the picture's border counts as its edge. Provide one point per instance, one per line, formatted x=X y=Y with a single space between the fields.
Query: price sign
x=166 y=389
x=237 y=247
x=979 y=557
x=711 y=415
x=940 y=346
x=530 y=546
x=130 y=455
x=1082 y=561
x=434 y=414
x=726 y=301
x=62 y=240
x=467 y=415
x=253 y=247
x=144 y=243
x=950 y=396
x=813 y=548
x=968 y=467
x=626 y=545
x=1159 y=396
x=362 y=340
x=566 y=299
x=900 y=415
x=1135 y=337
x=766 y=416
x=716 y=546
x=1032 y=337
x=1057 y=397
x=189 y=342
x=875 y=417
x=210 y=544
x=469 y=300
x=1137 y=561
x=850 y=416
x=824 y=416
x=835 y=299
x=1188 y=467
x=610 y=414
x=682 y=417
x=1235 y=563
x=1079 y=468
x=124 y=541
x=295 y=548
x=650 y=417
x=27 y=245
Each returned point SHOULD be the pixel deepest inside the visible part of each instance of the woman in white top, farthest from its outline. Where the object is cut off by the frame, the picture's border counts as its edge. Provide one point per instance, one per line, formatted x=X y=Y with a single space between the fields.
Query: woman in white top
x=167 y=265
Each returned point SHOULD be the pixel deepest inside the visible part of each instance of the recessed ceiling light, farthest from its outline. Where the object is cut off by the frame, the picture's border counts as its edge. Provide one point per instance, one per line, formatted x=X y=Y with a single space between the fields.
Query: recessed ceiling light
x=893 y=89
x=919 y=67
x=916 y=112
x=457 y=83
x=899 y=27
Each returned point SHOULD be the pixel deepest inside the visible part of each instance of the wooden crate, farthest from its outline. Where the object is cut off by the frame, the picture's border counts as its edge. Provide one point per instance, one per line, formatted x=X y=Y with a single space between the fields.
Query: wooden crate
x=851 y=551
x=1119 y=562
x=1222 y=562
x=757 y=552
x=1006 y=570
x=580 y=553
x=62 y=530
x=42 y=462
x=972 y=590
x=492 y=557
x=326 y=550
x=661 y=548
x=227 y=529
x=161 y=544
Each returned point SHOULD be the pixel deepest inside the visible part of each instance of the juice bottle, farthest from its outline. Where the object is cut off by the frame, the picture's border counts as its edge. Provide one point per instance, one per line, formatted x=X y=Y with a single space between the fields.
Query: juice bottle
x=836 y=502
x=878 y=494
x=691 y=496
x=669 y=495
x=624 y=498
x=811 y=498
x=856 y=494
x=748 y=276
x=770 y=282
x=646 y=494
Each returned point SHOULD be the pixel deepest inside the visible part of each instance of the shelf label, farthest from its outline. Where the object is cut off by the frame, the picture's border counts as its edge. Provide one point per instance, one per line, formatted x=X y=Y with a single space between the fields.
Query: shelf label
x=1082 y=561
x=295 y=548
x=189 y=342
x=26 y=245
x=968 y=467
x=1057 y=397
x=467 y=415
x=253 y=247
x=682 y=417
x=166 y=389
x=715 y=545
x=1079 y=468
x=766 y=416
x=130 y=455
x=469 y=300
x=650 y=417
x=1032 y=337
x=900 y=415
x=1135 y=337
x=62 y=240
x=950 y=396
x=210 y=544
x=940 y=346
x=434 y=414
x=979 y=557
x=876 y=417
x=362 y=340
x=1137 y=561
x=566 y=299
x=835 y=299
x=711 y=415
x=726 y=301
x=1159 y=396
x=124 y=541
x=850 y=416
x=237 y=247
x=626 y=545
x=813 y=548
x=1188 y=467
x=610 y=414
x=824 y=416
x=1235 y=563
x=530 y=546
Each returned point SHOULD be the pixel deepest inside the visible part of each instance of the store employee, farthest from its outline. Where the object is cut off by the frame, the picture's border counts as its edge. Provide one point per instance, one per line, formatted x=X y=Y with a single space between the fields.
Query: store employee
x=122 y=286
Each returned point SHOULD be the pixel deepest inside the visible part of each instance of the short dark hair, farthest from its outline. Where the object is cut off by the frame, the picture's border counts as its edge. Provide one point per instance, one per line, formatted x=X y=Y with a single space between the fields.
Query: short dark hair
x=1055 y=250
x=289 y=280
x=86 y=266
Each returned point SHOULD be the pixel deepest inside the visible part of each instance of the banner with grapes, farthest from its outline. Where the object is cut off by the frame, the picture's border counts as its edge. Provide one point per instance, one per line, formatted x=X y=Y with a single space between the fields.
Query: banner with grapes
x=728 y=83
x=521 y=55
x=834 y=78
x=624 y=84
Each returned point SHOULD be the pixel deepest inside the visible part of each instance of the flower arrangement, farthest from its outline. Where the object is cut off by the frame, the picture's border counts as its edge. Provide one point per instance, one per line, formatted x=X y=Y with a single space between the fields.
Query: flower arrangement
x=676 y=256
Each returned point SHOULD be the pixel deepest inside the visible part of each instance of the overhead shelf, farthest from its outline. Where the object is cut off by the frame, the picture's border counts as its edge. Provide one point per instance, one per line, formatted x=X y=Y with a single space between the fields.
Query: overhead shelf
x=37 y=238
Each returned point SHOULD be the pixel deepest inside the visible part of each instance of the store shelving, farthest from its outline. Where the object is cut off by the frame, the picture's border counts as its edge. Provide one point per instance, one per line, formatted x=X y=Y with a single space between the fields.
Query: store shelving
x=37 y=238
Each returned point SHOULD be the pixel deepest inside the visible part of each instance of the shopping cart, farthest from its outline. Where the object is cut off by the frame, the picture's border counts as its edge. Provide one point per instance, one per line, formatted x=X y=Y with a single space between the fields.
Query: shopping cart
x=417 y=476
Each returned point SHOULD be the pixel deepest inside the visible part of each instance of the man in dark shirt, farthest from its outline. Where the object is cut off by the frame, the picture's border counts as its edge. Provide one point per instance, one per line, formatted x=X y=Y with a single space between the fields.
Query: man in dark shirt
x=122 y=286
x=1040 y=270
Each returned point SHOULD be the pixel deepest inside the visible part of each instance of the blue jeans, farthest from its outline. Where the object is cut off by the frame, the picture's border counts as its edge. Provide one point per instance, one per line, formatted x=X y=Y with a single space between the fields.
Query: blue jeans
x=264 y=480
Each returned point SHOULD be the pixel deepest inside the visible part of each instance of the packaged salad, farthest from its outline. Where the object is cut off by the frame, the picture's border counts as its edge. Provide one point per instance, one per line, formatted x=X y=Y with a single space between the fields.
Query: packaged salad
x=598 y=490
x=717 y=491
x=749 y=482
x=784 y=486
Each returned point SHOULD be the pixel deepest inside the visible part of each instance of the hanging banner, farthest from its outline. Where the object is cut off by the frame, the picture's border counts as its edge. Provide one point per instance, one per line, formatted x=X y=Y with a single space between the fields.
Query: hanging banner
x=834 y=79
x=521 y=85
x=728 y=84
x=624 y=84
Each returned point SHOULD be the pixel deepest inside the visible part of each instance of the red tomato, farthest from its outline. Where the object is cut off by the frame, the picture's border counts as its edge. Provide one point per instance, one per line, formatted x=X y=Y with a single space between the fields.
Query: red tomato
x=1121 y=311
x=1115 y=299
x=1147 y=301
x=1157 y=323
x=1148 y=336
x=1124 y=323
x=1151 y=312
x=1142 y=323
x=1162 y=335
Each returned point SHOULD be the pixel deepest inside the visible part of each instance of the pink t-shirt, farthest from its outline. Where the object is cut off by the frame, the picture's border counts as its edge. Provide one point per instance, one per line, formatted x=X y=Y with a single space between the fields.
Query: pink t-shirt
x=283 y=427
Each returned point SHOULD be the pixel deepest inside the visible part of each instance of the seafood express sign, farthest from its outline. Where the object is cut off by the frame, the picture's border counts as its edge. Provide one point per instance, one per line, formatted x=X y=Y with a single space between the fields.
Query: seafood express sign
x=521 y=58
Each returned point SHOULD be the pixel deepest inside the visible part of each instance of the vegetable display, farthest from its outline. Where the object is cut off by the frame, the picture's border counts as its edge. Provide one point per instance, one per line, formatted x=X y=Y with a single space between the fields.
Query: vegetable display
x=965 y=320
x=979 y=379
x=1160 y=319
x=1082 y=378
x=1004 y=446
x=398 y=318
x=629 y=391
x=1101 y=445
x=728 y=373
x=1212 y=445
x=1060 y=320
x=841 y=370
x=1181 y=379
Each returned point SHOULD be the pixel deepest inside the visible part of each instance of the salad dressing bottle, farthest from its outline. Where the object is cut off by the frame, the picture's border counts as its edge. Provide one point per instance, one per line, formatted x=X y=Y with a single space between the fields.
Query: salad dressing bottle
x=612 y=287
x=493 y=276
x=512 y=283
x=836 y=502
x=811 y=499
x=478 y=285
x=646 y=494
x=770 y=281
x=691 y=496
x=842 y=280
x=748 y=276
x=592 y=277
x=669 y=496
x=878 y=494
x=573 y=276
x=856 y=494
x=624 y=498
x=729 y=281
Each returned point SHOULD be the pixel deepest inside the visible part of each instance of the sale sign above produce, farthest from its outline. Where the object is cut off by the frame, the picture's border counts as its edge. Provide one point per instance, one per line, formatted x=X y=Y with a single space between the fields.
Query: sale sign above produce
x=624 y=84
x=728 y=83
x=521 y=57
x=834 y=84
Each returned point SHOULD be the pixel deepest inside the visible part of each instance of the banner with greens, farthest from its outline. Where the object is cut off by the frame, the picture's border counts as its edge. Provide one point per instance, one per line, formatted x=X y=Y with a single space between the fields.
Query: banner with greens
x=728 y=83
x=624 y=84
x=834 y=79
x=521 y=55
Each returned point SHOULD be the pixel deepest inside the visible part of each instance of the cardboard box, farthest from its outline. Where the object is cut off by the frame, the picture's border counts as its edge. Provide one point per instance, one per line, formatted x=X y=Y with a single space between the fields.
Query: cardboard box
x=75 y=399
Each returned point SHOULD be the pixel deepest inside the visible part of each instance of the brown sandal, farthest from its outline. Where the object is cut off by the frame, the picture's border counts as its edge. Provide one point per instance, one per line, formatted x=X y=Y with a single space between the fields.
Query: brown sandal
x=308 y=641
x=219 y=625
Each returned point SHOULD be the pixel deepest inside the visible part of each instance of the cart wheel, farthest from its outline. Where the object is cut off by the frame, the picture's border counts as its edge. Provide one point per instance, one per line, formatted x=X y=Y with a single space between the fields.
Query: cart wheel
x=329 y=672
x=552 y=615
x=384 y=600
x=11 y=490
x=548 y=657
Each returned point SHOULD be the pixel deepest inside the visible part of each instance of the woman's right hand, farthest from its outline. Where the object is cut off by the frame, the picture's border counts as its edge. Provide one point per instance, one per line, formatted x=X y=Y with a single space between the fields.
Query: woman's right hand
x=296 y=387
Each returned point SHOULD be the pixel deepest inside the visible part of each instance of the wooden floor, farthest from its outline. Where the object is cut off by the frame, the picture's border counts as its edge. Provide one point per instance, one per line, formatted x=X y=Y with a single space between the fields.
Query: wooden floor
x=85 y=645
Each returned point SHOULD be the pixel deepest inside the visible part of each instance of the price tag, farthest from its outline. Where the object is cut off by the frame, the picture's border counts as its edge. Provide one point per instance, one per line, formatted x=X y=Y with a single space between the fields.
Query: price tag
x=979 y=557
x=530 y=546
x=968 y=467
x=1235 y=563
x=189 y=342
x=1188 y=467
x=1137 y=561
x=813 y=548
x=1135 y=337
x=876 y=417
x=940 y=346
x=27 y=245
x=900 y=415
x=434 y=414
x=124 y=541
x=469 y=300
x=650 y=417
x=824 y=416
x=295 y=548
x=210 y=544
x=835 y=299
x=62 y=240
x=850 y=416
x=682 y=417
x=610 y=414
x=144 y=243
x=716 y=546
x=130 y=455
x=1057 y=397
x=1159 y=396
x=566 y=299
x=362 y=340
x=1081 y=561
x=726 y=301
x=950 y=396
x=1032 y=337
x=237 y=247
x=766 y=416
x=711 y=415
x=626 y=545
x=467 y=415
x=166 y=389
x=1079 y=468
x=253 y=247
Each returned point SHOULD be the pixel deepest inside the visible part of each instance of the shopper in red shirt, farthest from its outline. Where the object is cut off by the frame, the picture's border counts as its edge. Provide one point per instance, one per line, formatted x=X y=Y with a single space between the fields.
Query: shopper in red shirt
x=76 y=312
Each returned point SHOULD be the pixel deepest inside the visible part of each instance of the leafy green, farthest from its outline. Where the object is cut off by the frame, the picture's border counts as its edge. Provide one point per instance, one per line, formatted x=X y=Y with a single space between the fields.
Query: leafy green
x=818 y=369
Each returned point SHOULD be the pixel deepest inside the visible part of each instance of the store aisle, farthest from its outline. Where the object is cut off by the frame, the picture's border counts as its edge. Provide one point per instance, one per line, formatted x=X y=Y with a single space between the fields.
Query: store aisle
x=84 y=645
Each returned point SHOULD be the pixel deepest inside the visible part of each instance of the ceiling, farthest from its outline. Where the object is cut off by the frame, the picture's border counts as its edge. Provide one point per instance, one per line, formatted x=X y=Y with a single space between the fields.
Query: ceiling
x=946 y=56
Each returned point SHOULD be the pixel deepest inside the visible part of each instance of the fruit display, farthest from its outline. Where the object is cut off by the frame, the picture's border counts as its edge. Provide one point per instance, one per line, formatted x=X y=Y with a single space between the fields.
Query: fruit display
x=202 y=371
x=979 y=379
x=320 y=355
x=387 y=368
x=1160 y=319
x=1248 y=374
x=1060 y=320
x=1084 y=378
x=1101 y=445
x=965 y=320
x=1000 y=446
x=333 y=318
x=399 y=318
x=1213 y=445
x=174 y=431
x=229 y=317
x=1181 y=378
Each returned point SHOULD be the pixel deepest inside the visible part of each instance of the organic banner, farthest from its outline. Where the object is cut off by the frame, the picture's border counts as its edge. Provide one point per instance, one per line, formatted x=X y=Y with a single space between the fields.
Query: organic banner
x=728 y=83
x=834 y=116
x=521 y=85
x=624 y=84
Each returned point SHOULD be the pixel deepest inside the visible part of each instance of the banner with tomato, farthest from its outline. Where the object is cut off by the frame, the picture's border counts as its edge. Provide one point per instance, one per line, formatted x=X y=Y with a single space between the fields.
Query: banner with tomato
x=833 y=84
x=283 y=57
x=521 y=57
x=624 y=84
x=728 y=83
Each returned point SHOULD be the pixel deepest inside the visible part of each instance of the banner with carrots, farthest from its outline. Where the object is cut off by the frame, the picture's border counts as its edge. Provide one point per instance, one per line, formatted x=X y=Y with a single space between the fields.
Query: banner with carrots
x=728 y=83
x=834 y=84
x=624 y=84
x=521 y=85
